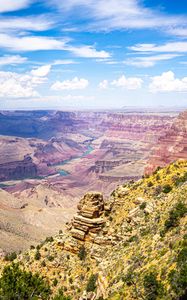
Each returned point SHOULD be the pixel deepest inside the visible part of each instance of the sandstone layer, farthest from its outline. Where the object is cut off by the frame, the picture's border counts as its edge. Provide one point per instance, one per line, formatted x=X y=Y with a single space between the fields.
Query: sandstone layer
x=171 y=146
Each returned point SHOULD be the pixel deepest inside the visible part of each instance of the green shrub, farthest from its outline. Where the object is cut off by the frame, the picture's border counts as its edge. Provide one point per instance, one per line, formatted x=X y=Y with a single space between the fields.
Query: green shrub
x=49 y=239
x=128 y=279
x=91 y=285
x=43 y=263
x=60 y=295
x=180 y=180
x=143 y=205
x=82 y=253
x=175 y=215
x=178 y=277
x=10 y=256
x=153 y=287
x=50 y=258
x=37 y=255
x=17 y=284
x=55 y=282
x=133 y=238
x=166 y=188
x=149 y=184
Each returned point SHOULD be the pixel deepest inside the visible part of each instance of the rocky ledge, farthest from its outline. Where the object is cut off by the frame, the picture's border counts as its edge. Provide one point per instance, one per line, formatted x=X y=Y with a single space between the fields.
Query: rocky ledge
x=89 y=219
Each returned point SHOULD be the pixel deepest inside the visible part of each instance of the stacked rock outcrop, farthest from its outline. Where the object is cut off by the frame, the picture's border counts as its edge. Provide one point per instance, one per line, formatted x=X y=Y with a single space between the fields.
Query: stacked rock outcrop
x=89 y=220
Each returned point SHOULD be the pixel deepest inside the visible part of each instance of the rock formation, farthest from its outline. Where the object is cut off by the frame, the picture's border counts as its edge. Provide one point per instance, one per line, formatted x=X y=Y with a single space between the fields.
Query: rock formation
x=18 y=169
x=89 y=218
x=170 y=147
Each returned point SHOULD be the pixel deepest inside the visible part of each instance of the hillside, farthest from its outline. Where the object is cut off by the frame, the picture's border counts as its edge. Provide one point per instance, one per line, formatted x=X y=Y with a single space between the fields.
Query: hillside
x=130 y=246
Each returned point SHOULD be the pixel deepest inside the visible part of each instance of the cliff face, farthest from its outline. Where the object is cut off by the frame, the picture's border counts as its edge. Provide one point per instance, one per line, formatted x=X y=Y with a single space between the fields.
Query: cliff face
x=170 y=147
x=18 y=169
x=136 y=126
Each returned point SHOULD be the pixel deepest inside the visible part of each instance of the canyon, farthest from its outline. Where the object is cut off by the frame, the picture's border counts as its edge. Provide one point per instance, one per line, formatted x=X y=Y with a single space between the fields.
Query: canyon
x=171 y=146
x=50 y=159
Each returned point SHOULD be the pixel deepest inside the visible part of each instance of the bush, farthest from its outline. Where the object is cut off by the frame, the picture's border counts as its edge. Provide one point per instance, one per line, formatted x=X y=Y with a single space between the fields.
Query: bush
x=37 y=255
x=166 y=188
x=128 y=279
x=180 y=180
x=149 y=184
x=175 y=215
x=91 y=285
x=133 y=238
x=49 y=239
x=82 y=253
x=55 y=282
x=178 y=277
x=143 y=205
x=43 y=264
x=152 y=286
x=16 y=284
x=60 y=296
x=10 y=256
x=50 y=258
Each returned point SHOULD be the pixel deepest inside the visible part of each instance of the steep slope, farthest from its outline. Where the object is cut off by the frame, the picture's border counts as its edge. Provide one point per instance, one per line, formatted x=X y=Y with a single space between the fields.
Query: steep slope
x=130 y=246
x=171 y=146
x=27 y=218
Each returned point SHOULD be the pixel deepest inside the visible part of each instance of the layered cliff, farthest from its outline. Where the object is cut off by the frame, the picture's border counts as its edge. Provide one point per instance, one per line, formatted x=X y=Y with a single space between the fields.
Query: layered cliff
x=130 y=246
x=171 y=146
x=18 y=169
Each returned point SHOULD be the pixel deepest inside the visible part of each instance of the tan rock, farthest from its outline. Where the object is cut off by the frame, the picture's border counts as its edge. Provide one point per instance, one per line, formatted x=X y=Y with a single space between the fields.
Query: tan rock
x=78 y=234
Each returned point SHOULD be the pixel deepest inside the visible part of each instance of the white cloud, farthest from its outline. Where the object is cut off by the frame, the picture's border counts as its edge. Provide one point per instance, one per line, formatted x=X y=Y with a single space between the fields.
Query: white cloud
x=36 y=23
x=130 y=83
x=118 y=14
x=178 y=47
x=35 y=43
x=103 y=84
x=30 y=43
x=89 y=52
x=12 y=60
x=64 y=62
x=148 y=61
x=182 y=32
x=74 y=84
x=15 y=85
x=167 y=82
x=13 y=5
x=41 y=71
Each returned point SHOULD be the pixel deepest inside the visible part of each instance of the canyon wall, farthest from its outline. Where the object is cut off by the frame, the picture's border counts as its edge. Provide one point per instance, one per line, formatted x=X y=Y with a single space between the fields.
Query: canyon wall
x=18 y=169
x=171 y=146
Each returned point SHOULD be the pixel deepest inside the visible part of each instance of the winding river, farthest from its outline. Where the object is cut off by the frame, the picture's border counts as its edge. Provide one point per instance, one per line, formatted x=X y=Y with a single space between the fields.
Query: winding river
x=65 y=162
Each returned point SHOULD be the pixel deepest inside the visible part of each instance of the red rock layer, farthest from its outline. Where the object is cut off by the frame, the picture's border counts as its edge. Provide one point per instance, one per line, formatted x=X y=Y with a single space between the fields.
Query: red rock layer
x=170 y=147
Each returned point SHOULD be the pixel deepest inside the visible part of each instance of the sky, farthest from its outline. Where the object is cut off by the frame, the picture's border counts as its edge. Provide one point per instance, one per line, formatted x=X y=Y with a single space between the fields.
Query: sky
x=92 y=54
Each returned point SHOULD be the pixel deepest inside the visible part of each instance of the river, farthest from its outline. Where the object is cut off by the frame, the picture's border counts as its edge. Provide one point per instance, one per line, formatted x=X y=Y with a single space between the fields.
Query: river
x=65 y=162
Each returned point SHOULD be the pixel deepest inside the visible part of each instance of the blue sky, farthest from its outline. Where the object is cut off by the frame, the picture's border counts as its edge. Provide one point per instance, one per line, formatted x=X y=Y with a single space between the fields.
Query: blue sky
x=92 y=53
